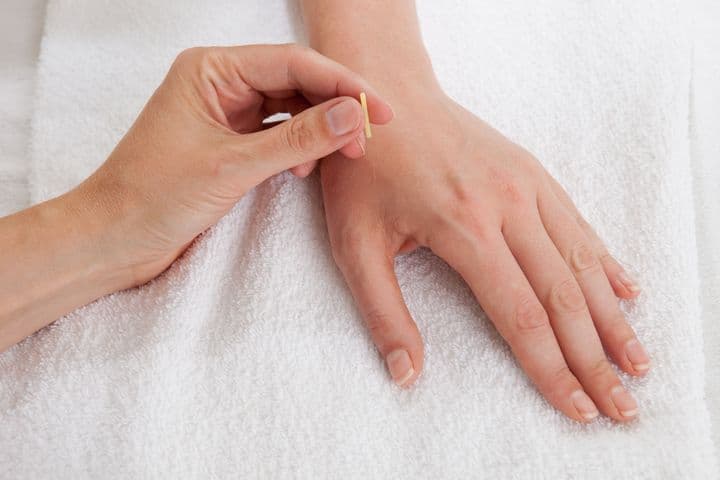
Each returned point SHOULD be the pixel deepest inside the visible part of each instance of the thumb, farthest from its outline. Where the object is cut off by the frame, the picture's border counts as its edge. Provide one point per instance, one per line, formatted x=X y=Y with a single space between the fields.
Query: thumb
x=376 y=291
x=313 y=134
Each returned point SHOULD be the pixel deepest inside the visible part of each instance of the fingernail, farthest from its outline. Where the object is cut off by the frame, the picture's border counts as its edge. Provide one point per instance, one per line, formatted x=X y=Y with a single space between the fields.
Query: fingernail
x=628 y=282
x=637 y=355
x=400 y=366
x=624 y=402
x=585 y=407
x=343 y=117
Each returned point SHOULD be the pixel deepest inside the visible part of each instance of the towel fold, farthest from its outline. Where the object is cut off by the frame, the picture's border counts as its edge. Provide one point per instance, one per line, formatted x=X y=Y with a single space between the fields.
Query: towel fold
x=248 y=358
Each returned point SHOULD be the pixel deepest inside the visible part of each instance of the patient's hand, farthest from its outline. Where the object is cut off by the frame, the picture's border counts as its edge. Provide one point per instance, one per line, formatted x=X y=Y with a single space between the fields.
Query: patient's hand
x=440 y=177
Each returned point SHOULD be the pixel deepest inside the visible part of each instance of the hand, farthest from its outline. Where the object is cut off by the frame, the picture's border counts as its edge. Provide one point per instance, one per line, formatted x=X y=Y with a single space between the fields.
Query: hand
x=199 y=144
x=197 y=147
x=440 y=177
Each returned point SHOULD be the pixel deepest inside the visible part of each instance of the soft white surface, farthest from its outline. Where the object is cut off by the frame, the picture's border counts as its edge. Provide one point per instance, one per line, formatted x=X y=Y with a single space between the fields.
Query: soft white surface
x=705 y=151
x=248 y=357
x=21 y=23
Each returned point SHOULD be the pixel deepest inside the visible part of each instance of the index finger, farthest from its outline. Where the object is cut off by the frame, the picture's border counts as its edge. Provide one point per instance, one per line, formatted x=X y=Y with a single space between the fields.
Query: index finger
x=292 y=67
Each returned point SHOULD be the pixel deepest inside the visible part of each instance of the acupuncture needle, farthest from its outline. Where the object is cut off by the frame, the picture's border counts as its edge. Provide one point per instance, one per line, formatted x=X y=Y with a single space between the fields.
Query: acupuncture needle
x=363 y=103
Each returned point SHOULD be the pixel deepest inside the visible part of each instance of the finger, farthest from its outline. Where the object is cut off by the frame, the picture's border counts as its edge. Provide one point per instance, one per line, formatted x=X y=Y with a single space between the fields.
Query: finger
x=616 y=334
x=506 y=296
x=282 y=67
x=376 y=291
x=281 y=102
x=307 y=137
x=302 y=171
x=555 y=286
x=354 y=149
x=623 y=284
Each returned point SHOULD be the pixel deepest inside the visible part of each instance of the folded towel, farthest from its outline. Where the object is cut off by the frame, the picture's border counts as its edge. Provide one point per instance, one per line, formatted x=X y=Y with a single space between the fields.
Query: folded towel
x=705 y=151
x=247 y=358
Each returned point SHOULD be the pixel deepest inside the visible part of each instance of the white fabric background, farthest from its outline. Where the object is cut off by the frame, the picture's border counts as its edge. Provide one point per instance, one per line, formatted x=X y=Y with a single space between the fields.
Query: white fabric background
x=22 y=31
x=21 y=24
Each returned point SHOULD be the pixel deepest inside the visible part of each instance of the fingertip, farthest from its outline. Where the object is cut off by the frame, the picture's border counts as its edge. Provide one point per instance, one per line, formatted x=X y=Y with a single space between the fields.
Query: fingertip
x=297 y=172
x=302 y=171
x=404 y=357
x=355 y=149
x=381 y=113
x=403 y=369
x=625 y=404
x=623 y=285
x=585 y=410
x=638 y=361
x=623 y=291
x=344 y=116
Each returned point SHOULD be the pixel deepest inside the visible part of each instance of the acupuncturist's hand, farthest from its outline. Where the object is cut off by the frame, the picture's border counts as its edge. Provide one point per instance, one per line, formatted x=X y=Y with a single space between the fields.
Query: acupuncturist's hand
x=197 y=147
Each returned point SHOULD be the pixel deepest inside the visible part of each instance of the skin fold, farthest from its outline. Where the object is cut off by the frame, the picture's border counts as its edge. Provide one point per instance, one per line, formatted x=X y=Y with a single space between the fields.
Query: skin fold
x=441 y=178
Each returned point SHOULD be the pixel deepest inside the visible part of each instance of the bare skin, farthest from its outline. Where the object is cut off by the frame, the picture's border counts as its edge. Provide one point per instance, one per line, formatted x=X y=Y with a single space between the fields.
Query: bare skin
x=442 y=178
x=198 y=146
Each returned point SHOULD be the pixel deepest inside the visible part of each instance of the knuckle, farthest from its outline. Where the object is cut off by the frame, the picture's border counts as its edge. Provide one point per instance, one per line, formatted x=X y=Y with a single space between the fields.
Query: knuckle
x=189 y=56
x=297 y=49
x=581 y=220
x=463 y=190
x=530 y=315
x=583 y=258
x=299 y=135
x=512 y=192
x=291 y=50
x=600 y=369
x=605 y=257
x=510 y=188
x=295 y=53
x=379 y=323
x=557 y=381
x=566 y=297
x=617 y=325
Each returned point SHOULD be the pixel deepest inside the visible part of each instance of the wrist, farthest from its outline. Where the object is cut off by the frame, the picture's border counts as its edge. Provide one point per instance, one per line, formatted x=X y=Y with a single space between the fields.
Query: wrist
x=52 y=262
x=88 y=240
x=391 y=71
x=114 y=220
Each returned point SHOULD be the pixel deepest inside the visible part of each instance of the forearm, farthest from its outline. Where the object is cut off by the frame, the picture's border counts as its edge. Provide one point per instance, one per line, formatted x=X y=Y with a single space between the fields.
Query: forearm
x=52 y=261
x=376 y=38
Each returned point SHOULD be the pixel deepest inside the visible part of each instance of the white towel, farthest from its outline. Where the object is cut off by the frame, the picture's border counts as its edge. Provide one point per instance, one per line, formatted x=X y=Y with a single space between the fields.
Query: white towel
x=21 y=24
x=705 y=151
x=248 y=358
